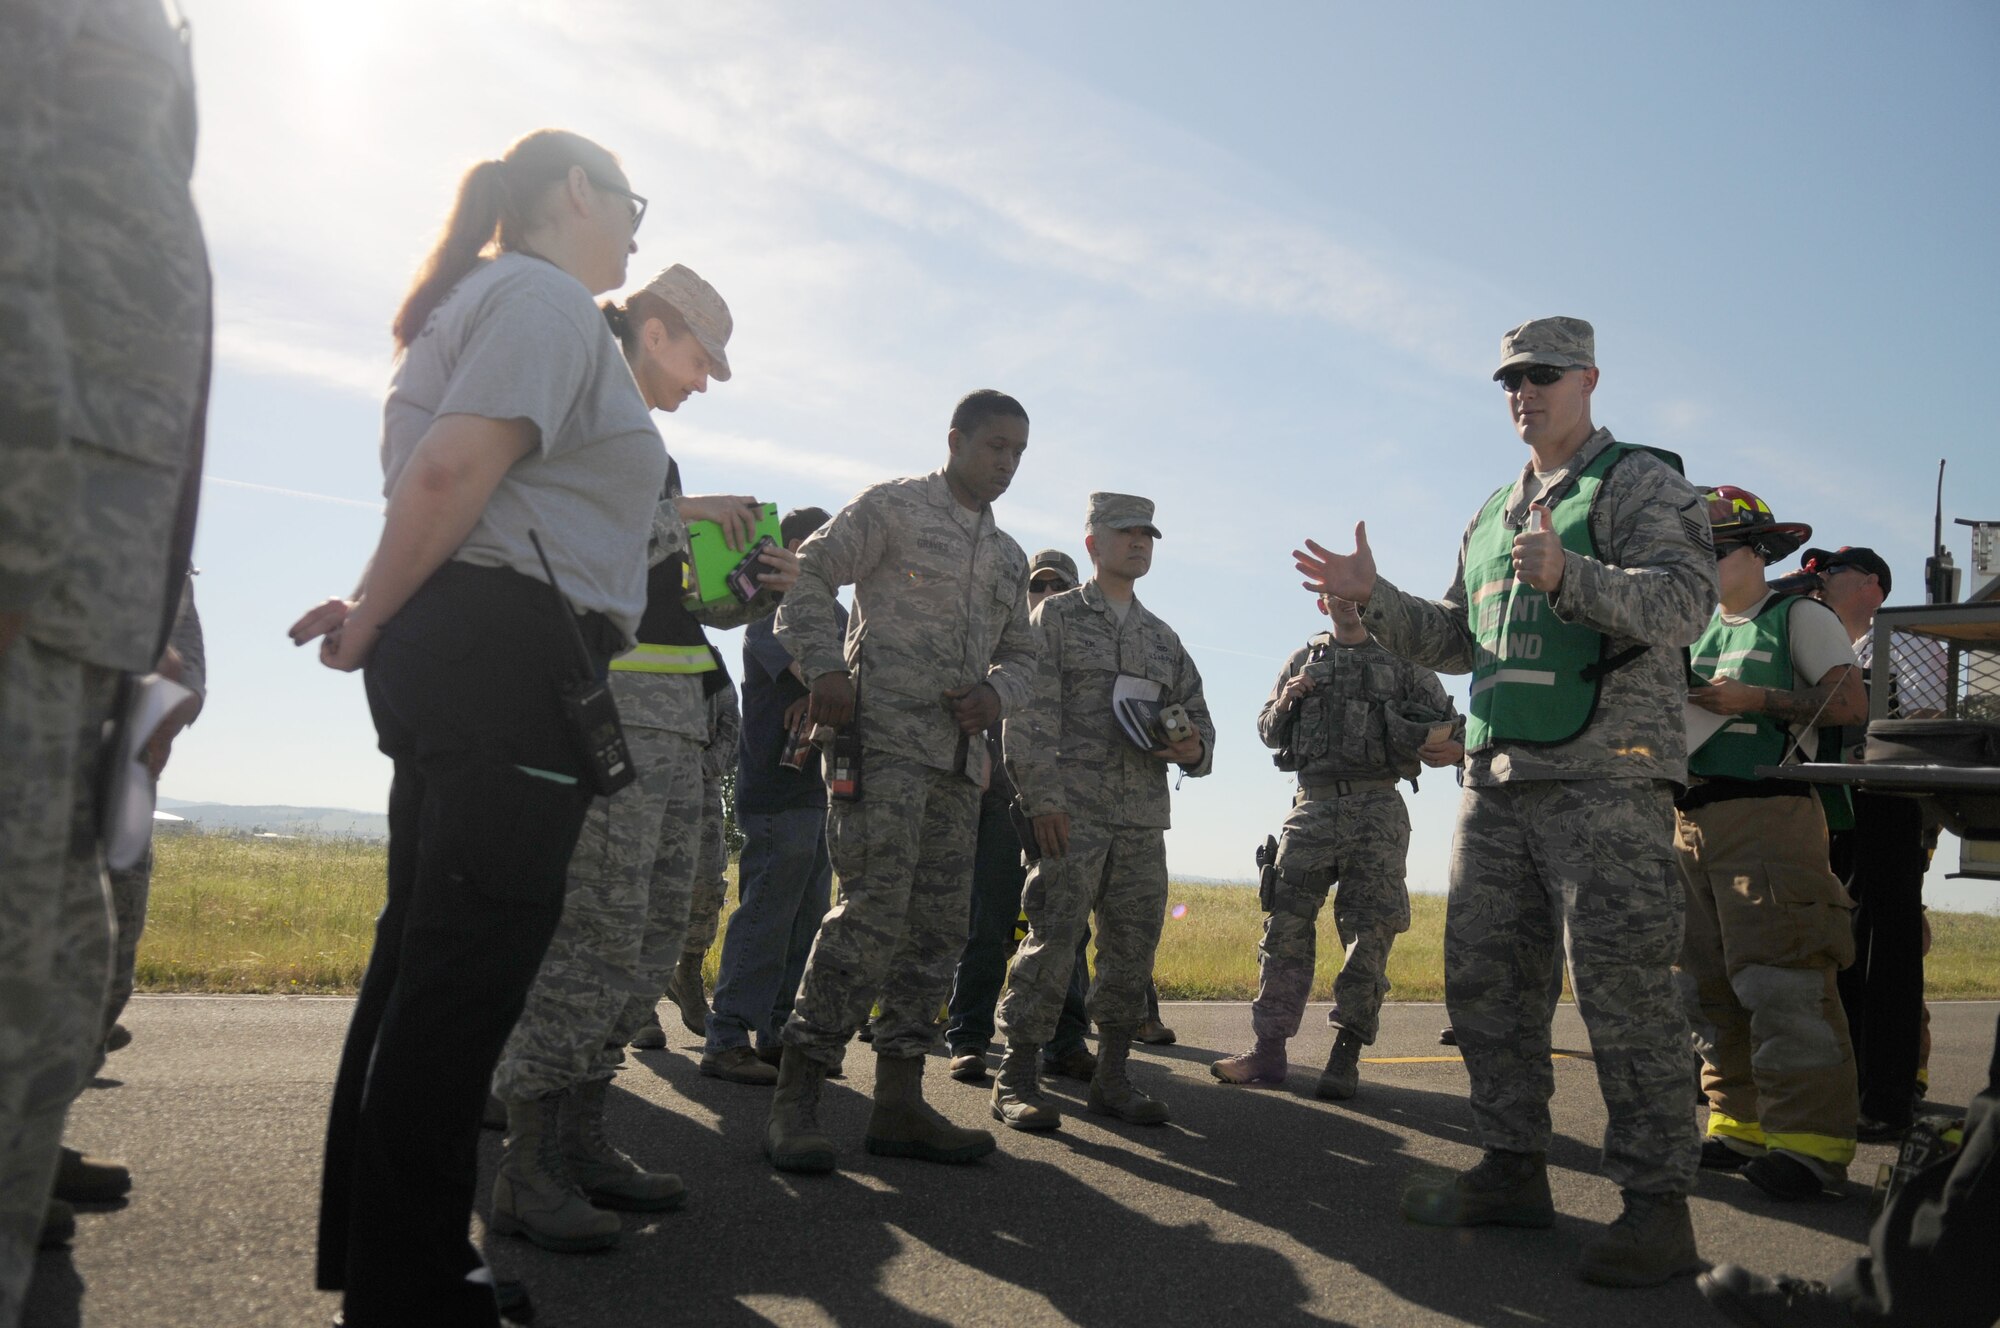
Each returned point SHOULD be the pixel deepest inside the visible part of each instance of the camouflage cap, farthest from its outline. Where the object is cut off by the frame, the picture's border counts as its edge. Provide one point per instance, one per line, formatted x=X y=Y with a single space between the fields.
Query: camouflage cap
x=1054 y=560
x=707 y=316
x=1122 y=511
x=1560 y=343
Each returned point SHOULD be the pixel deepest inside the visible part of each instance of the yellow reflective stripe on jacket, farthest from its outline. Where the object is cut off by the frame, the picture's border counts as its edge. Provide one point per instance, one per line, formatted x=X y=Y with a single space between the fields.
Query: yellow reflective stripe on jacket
x=665 y=659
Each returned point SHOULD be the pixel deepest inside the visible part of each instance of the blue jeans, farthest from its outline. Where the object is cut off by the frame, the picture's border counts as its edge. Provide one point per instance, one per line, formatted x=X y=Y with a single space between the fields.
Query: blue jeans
x=784 y=879
x=997 y=878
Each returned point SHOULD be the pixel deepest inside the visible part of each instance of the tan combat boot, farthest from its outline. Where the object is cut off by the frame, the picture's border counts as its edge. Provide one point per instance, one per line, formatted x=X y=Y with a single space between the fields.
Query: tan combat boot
x=533 y=1195
x=1017 y=1091
x=1111 y=1093
x=1261 y=1067
x=686 y=990
x=608 y=1178
x=1651 y=1242
x=792 y=1138
x=904 y=1125
x=1342 y=1075
x=1503 y=1190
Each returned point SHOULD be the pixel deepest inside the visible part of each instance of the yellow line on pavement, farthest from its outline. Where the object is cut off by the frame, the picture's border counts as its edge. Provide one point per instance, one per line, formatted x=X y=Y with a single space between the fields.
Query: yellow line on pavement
x=1441 y=1060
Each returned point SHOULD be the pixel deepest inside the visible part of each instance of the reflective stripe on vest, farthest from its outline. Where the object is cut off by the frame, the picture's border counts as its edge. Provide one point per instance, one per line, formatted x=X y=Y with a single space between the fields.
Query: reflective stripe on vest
x=1757 y=653
x=1534 y=678
x=665 y=659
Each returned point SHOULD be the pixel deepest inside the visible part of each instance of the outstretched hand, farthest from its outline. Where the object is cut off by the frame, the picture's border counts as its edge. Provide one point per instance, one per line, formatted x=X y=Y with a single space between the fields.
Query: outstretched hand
x=1345 y=576
x=338 y=648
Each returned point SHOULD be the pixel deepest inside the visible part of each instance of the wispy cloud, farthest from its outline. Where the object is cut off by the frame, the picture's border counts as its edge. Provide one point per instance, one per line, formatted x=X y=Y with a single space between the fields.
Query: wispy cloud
x=248 y=486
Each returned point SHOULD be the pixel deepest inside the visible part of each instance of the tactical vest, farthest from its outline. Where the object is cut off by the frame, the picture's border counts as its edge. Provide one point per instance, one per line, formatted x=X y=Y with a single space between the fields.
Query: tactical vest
x=1535 y=677
x=670 y=640
x=1339 y=730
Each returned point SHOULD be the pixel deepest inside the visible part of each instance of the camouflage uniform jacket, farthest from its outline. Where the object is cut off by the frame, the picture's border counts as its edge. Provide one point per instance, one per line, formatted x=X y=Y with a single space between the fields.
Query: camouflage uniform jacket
x=1340 y=729
x=940 y=601
x=1656 y=587
x=1065 y=748
x=674 y=702
x=104 y=315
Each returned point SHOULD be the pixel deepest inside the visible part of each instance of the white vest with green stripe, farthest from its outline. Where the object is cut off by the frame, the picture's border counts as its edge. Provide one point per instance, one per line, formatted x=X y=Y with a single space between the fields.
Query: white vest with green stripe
x=1534 y=676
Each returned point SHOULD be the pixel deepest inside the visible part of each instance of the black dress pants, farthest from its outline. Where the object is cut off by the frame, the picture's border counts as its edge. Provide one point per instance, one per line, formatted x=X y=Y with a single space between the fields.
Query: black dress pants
x=997 y=881
x=463 y=687
x=1882 y=861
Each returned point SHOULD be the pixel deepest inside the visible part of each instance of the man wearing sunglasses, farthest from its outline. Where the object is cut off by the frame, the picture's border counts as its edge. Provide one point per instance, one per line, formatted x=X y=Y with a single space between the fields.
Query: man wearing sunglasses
x=1578 y=584
x=1767 y=921
x=1882 y=858
x=998 y=872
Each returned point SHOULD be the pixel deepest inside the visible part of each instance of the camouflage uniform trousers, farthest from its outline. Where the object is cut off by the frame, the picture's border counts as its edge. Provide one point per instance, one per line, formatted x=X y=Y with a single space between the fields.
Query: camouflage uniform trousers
x=621 y=927
x=55 y=928
x=1362 y=842
x=711 y=887
x=697 y=878
x=1120 y=873
x=903 y=854
x=1536 y=860
x=1768 y=928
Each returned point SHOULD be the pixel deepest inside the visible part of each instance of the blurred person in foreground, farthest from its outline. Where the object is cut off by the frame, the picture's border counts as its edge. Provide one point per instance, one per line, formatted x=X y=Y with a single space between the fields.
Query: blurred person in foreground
x=104 y=358
x=939 y=647
x=511 y=410
x=1577 y=586
x=562 y=1183
x=1767 y=920
x=998 y=874
x=1930 y=1257
x=1351 y=719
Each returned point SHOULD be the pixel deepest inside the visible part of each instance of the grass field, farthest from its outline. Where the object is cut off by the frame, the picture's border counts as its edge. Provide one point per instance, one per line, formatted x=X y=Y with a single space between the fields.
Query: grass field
x=233 y=914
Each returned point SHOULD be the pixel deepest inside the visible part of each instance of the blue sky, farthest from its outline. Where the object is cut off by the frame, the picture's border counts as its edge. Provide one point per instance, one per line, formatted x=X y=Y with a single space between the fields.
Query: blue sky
x=1251 y=260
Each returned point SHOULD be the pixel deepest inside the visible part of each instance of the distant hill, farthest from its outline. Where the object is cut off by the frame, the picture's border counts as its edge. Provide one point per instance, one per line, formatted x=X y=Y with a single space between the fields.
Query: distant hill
x=343 y=822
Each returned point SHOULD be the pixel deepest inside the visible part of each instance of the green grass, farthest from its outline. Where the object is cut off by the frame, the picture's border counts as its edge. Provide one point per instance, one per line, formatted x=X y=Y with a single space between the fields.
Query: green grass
x=232 y=914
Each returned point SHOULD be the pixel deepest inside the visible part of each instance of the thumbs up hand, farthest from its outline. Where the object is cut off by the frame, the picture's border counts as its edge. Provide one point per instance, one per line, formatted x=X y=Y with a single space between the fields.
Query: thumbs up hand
x=1538 y=552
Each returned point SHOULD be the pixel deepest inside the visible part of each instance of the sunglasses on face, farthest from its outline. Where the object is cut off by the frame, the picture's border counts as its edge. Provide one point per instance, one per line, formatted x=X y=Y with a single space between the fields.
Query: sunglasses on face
x=1048 y=585
x=1541 y=375
x=638 y=202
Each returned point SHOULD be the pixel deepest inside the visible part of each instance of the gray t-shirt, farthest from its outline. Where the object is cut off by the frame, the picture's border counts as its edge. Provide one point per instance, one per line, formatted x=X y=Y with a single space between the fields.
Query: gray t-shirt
x=519 y=338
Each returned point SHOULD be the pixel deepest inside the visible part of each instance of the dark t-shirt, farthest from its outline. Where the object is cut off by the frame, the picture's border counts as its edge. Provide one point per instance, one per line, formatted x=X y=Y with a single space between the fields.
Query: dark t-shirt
x=762 y=785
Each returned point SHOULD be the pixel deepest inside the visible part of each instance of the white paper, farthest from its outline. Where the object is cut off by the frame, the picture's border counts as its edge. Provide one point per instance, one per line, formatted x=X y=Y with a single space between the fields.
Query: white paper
x=1701 y=725
x=128 y=800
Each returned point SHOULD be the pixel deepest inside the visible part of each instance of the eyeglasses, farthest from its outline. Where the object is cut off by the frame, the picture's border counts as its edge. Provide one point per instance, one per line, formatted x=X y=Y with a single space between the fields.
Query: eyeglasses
x=1048 y=585
x=638 y=202
x=1541 y=375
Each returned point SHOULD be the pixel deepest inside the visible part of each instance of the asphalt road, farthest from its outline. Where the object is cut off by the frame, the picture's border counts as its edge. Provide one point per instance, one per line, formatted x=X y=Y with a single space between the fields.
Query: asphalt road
x=1252 y=1207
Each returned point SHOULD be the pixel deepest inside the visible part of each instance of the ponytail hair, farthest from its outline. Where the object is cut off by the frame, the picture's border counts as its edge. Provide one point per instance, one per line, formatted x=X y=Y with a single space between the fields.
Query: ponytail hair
x=498 y=201
x=629 y=319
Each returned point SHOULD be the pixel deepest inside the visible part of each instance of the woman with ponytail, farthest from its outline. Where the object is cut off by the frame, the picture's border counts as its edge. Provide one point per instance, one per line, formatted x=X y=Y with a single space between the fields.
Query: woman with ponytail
x=510 y=413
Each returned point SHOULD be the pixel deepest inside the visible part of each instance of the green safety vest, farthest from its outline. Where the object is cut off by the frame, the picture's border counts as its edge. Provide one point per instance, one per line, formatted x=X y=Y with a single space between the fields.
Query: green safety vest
x=1759 y=654
x=1534 y=676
